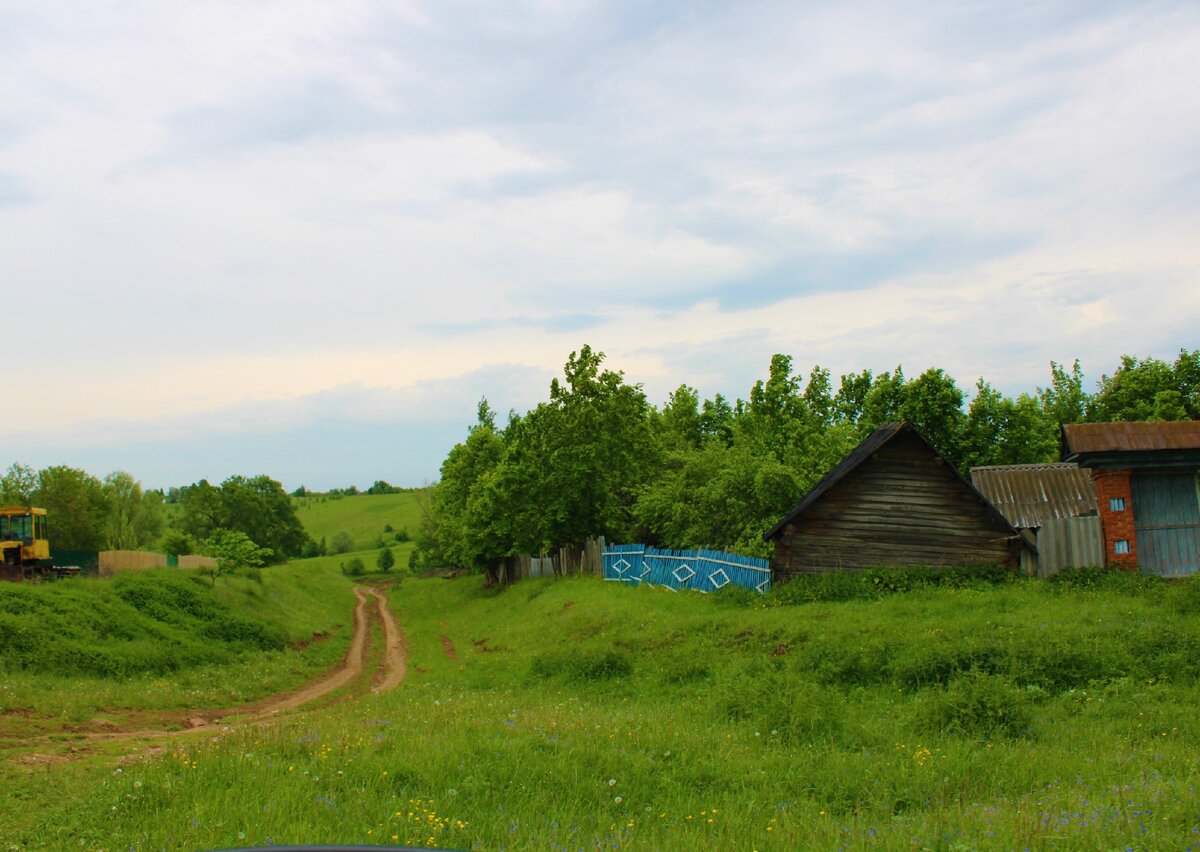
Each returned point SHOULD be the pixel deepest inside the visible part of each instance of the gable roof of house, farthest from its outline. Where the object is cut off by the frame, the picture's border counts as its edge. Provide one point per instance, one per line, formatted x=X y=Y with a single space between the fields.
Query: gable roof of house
x=1028 y=495
x=872 y=444
x=1078 y=438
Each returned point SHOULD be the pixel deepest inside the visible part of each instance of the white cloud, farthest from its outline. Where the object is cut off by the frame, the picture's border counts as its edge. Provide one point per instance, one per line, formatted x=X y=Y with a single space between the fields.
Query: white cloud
x=222 y=205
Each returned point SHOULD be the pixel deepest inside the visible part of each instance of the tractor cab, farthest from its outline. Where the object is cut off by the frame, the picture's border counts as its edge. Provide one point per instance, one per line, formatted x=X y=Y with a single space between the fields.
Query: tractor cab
x=24 y=544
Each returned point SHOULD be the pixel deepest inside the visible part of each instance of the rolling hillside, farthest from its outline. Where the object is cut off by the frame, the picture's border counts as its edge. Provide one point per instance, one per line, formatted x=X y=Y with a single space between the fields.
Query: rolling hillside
x=580 y=714
x=364 y=516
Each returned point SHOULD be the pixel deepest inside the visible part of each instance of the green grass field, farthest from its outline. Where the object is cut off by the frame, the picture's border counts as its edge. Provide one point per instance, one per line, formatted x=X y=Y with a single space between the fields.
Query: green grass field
x=578 y=714
x=165 y=640
x=364 y=516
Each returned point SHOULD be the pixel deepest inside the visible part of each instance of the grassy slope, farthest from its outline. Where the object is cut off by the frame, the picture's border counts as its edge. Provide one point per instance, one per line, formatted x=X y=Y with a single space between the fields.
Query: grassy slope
x=364 y=516
x=580 y=714
x=95 y=645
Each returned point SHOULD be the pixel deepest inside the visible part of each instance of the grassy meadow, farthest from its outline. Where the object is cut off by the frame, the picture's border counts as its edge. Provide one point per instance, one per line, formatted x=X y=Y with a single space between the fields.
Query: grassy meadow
x=579 y=714
x=365 y=517
x=165 y=639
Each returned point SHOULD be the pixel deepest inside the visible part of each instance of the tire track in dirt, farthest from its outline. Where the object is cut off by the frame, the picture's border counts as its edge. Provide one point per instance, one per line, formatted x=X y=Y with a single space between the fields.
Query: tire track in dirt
x=394 y=667
x=352 y=666
x=395 y=655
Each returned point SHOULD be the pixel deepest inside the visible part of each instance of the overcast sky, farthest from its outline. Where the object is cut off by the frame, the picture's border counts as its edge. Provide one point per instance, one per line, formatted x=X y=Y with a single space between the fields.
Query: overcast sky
x=303 y=238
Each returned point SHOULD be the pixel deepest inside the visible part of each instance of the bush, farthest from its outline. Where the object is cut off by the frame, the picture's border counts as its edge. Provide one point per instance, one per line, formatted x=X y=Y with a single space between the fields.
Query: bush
x=874 y=583
x=1094 y=577
x=1185 y=597
x=978 y=704
x=353 y=568
x=386 y=559
x=583 y=665
x=780 y=703
x=342 y=542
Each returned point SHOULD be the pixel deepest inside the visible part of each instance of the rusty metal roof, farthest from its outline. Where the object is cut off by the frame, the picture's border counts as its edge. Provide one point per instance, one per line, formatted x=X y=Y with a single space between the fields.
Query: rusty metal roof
x=1130 y=437
x=1028 y=495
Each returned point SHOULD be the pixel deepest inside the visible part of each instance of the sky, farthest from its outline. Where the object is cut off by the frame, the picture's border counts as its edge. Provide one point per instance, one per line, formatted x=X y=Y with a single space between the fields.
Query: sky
x=304 y=238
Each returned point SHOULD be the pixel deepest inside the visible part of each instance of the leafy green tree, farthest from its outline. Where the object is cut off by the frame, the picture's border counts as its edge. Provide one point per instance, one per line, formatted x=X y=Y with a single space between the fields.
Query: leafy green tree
x=1004 y=431
x=235 y=553
x=1135 y=392
x=1065 y=400
x=852 y=396
x=134 y=517
x=1187 y=376
x=76 y=507
x=257 y=506
x=934 y=404
x=176 y=542
x=681 y=420
x=18 y=485
x=342 y=542
x=386 y=559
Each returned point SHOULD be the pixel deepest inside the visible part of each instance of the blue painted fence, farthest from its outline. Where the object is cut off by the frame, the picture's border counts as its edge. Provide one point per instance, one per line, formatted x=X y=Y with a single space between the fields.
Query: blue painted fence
x=700 y=570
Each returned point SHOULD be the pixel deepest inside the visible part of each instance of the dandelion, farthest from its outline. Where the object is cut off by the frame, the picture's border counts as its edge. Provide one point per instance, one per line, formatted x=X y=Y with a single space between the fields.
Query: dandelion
x=612 y=782
x=618 y=799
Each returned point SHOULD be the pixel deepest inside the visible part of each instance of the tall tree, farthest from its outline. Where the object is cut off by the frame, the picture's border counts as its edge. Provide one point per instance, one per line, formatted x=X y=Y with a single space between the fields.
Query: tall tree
x=256 y=506
x=134 y=517
x=18 y=485
x=76 y=507
x=1145 y=389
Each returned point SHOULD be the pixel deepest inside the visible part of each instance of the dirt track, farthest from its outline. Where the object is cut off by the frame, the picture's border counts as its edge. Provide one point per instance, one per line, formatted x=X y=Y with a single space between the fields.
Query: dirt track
x=390 y=674
x=354 y=664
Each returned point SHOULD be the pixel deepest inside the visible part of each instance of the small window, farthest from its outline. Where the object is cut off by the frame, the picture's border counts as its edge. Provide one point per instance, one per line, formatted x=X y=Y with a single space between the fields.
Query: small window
x=1116 y=504
x=1121 y=546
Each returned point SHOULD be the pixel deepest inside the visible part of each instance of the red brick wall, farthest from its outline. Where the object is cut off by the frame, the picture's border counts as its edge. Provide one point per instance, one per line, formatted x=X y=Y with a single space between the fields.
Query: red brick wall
x=1117 y=526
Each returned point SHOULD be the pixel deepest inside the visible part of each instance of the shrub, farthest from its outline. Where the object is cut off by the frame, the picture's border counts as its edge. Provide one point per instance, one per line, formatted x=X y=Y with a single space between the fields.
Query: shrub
x=781 y=703
x=978 y=704
x=874 y=583
x=354 y=567
x=583 y=665
x=1185 y=597
x=386 y=559
x=342 y=542
x=1094 y=577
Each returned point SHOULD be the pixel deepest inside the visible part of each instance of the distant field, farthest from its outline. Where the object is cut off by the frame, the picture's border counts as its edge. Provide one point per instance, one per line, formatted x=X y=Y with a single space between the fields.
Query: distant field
x=364 y=516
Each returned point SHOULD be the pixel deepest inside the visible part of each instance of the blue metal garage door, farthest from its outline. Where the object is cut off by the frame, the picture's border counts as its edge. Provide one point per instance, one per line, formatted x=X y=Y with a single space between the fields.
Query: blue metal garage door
x=1166 y=519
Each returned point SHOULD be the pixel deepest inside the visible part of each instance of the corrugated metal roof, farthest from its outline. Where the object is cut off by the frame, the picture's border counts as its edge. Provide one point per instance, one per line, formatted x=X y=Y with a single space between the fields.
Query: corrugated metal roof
x=1028 y=495
x=1130 y=437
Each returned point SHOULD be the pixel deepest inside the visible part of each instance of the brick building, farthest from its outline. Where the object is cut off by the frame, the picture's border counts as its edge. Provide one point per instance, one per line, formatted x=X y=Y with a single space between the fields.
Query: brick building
x=1147 y=478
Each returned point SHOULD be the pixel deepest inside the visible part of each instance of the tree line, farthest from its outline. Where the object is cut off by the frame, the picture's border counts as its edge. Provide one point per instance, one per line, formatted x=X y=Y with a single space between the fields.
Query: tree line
x=89 y=514
x=597 y=458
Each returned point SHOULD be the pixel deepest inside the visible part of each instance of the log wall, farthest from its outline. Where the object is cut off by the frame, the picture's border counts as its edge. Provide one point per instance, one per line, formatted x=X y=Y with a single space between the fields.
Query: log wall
x=903 y=506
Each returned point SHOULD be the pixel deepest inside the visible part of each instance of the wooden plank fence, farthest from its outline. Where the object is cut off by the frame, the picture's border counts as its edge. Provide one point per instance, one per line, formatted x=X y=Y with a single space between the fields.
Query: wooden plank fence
x=114 y=561
x=566 y=561
x=700 y=570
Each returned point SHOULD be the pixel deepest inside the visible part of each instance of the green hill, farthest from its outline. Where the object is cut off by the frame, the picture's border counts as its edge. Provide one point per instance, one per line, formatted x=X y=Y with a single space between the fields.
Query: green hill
x=167 y=638
x=365 y=516
x=581 y=714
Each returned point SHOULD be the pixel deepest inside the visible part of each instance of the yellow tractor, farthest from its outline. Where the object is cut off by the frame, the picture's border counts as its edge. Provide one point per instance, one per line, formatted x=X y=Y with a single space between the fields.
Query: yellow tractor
x=24 y=546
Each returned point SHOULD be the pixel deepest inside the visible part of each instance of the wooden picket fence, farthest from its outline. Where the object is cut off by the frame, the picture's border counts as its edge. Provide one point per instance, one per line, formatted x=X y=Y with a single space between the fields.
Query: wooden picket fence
x=699 y=570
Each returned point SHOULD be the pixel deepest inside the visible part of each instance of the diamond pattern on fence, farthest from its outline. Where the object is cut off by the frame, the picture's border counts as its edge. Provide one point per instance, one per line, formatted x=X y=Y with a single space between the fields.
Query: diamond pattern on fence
x=702 y=570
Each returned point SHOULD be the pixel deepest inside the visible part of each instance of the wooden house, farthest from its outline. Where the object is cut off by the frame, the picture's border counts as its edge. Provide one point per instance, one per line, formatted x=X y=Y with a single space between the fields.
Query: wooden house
x=1147 y=478
x=1054 y=503
x=893 y=501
